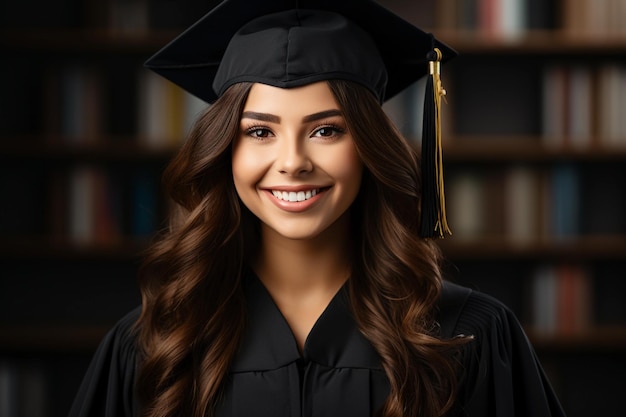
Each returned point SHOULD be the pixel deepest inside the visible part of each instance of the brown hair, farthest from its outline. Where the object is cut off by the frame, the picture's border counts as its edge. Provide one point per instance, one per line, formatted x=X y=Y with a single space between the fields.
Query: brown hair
x=396 y=278
x=193 y=308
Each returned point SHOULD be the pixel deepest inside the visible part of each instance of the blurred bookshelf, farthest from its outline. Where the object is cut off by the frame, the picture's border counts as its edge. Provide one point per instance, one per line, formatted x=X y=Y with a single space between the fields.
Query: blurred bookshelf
x=85 y=132
x=535 y=162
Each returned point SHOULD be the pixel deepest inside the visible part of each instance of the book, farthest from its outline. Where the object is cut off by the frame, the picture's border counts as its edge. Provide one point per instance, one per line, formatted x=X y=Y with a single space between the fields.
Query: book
x=543 y=302
x=611 y=101
x=580 y=107
x=513 y=18
x=107 y=206
x=466 y=204
x=144 y=204
x=80 y=105
x=521 y=204
x=95 y=207
x=81 y=205
x=567 y=106
x=23 y=389
x=565 y=202
x=8 y=389
x=166 y=112
x=561 y=299
x=554 y=96
x=594 y=17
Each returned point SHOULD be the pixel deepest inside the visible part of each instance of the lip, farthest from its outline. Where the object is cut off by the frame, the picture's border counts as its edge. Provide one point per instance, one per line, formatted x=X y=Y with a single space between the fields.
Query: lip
x=295 y=206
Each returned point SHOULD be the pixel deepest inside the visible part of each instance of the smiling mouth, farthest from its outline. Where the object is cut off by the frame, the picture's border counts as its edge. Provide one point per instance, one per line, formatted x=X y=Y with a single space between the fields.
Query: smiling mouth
x=296 y=196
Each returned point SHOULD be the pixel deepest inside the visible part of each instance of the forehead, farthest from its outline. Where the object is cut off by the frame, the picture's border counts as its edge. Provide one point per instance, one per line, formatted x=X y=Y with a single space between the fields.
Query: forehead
x=297 y=101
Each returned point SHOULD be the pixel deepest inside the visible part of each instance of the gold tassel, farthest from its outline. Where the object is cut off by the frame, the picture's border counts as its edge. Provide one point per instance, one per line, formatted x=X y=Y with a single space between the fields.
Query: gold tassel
x=435 y=70
x=434 y=220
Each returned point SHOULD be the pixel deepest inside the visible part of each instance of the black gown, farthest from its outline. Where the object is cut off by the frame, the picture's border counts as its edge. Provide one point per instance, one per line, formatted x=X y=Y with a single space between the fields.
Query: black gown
x=338 y=372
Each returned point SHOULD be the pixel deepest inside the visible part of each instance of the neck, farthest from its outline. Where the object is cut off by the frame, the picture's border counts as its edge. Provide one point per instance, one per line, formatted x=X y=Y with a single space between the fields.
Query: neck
x=303 y=275
x=296 y=267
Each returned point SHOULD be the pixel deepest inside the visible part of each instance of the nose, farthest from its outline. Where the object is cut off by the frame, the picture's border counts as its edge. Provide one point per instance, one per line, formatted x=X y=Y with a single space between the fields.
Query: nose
x=293 y=158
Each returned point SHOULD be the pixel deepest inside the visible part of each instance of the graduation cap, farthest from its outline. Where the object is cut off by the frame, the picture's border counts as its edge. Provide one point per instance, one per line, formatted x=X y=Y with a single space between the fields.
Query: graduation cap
x=291 y=43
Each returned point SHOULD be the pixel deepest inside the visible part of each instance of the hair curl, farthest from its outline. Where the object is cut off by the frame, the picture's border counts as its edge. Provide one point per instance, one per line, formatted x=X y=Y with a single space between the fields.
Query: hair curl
x=193 y=306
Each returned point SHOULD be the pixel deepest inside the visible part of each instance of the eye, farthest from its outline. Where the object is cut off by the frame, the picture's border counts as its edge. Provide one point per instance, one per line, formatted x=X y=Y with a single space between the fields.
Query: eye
x=258 y=132
x=327 y=131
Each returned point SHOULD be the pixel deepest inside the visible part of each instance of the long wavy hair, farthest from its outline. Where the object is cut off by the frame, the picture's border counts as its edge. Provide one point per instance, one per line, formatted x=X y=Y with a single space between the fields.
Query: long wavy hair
x=193 y=312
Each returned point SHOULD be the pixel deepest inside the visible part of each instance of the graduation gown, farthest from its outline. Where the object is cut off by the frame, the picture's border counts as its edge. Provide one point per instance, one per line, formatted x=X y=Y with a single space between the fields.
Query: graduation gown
x=338 y=373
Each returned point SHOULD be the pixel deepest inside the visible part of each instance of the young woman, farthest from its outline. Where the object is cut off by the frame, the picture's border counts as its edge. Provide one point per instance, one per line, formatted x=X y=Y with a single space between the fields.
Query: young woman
x=293 y=279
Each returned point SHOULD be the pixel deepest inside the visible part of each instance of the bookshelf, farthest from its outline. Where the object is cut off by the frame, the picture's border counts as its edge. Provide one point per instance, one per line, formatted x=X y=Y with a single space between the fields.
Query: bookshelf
x=62 y=288
x=82 y=148
x=535 y=162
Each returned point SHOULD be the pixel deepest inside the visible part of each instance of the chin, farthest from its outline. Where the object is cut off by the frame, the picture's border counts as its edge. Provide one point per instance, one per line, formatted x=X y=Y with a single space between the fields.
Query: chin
x=298 y=234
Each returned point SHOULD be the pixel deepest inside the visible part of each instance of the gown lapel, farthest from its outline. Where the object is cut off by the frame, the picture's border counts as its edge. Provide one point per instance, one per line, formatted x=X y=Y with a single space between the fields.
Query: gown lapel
x=338 y=372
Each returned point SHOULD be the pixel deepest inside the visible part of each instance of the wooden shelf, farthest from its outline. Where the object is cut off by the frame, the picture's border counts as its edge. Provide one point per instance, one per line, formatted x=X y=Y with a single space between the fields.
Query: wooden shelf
x=48 y=248
x=579 y=248
x=524 y=149
x=600 y=338
x=51 y=338
x=86 y=41
x=534 y=42
x=75 y=338
x=541 y=42
x=113 y=149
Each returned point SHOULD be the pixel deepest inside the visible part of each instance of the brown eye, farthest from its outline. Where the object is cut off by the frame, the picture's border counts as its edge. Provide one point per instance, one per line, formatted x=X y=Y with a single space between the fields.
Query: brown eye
x=327 y=131
x=259 y=132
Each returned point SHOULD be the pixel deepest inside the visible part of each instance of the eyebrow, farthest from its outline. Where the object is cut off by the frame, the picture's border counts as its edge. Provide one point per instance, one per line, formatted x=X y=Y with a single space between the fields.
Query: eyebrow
x=272 y=118
x=264 y=117
x=321 y=115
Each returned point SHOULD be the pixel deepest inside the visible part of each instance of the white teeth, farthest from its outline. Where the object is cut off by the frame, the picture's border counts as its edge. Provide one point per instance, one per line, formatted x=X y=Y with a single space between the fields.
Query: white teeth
x=293 y=196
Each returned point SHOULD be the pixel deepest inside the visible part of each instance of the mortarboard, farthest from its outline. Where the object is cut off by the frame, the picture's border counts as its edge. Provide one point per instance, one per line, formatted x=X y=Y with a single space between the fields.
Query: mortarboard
x=290 y=43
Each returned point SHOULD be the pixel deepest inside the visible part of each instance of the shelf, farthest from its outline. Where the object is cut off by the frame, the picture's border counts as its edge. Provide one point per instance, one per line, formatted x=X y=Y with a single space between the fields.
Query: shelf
x=601 y=338
x=74 y=338
x=579 y=248
x=86 y=41
x=539 y=42
x=41 y=248
x=526 y=149
x=112 y=149
x=52 y=338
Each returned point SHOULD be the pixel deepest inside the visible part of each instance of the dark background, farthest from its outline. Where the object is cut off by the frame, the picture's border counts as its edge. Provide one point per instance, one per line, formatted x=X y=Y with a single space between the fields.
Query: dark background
x=62 y=287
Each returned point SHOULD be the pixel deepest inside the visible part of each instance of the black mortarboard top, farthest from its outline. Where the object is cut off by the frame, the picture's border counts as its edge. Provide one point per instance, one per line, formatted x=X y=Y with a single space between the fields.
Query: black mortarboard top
x=290 y=43
x=193 y=58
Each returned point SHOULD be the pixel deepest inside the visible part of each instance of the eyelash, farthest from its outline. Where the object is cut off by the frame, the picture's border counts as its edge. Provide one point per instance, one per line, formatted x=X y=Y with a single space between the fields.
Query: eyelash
x=250 y=131
x=253 y=130
x=337 y=130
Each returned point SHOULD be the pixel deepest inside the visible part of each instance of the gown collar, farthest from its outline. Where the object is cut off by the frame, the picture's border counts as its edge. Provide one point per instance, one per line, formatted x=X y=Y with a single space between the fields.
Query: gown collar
x=268 y=342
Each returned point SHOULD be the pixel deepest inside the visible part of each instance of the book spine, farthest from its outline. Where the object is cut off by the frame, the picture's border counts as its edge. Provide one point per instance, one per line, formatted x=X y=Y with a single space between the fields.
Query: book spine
x=522 y=203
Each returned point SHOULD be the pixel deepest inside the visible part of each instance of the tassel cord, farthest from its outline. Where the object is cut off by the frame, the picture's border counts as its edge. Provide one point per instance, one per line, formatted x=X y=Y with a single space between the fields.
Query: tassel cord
x=434 y=220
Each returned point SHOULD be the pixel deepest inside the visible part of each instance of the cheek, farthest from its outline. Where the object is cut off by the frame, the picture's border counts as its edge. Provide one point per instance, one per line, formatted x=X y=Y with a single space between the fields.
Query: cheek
x=347 y=166
x=246 y=166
